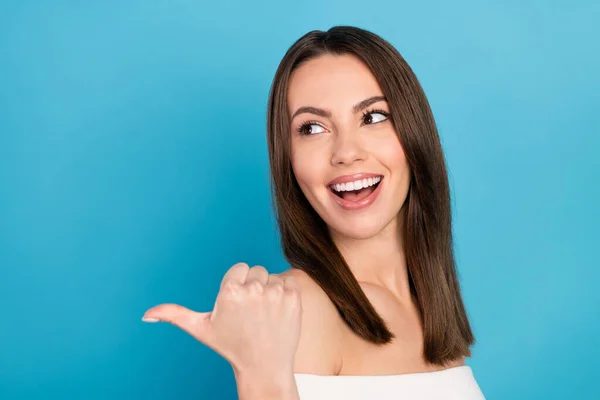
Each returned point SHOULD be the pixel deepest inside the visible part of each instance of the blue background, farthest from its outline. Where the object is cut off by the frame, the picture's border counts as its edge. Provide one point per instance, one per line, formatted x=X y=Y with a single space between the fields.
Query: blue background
x=134 y=171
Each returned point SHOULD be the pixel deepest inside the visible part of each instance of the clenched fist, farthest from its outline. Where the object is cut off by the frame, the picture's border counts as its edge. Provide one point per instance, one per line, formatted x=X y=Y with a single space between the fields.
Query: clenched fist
x=255 y=323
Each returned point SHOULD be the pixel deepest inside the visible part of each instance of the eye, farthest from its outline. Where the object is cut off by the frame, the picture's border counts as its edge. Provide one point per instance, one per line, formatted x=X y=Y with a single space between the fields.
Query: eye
x=374 y=117
x=310 y=128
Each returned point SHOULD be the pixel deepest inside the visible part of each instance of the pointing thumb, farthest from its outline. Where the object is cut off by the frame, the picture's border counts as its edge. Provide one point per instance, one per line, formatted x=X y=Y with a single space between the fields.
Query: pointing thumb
x=195 y=323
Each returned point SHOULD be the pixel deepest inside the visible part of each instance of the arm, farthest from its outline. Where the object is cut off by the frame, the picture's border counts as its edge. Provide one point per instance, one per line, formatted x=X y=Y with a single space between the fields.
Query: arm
x=266 y=387
x=316 y=353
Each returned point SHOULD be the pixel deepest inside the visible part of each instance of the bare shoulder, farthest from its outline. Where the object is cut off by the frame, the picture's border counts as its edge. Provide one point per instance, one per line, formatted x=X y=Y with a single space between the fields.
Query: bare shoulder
x=318 y=350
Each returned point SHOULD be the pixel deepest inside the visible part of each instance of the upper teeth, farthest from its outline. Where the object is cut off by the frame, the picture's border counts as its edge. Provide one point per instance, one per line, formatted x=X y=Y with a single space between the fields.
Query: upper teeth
x=356 y=185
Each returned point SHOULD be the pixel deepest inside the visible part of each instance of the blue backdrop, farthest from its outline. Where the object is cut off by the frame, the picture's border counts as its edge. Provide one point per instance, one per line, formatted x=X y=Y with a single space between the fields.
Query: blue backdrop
x=134 y=171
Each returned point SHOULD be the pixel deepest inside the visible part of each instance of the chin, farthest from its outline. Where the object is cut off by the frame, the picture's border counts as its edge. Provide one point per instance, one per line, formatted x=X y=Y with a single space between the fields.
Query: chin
x=358 y=229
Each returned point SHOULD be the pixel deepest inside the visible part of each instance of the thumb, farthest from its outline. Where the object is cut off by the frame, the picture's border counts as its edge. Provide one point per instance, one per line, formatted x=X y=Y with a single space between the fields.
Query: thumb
x=195 y=323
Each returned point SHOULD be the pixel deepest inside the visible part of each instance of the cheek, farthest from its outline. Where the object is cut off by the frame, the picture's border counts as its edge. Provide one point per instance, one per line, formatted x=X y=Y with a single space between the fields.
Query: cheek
x=392 y=155
x=307 y=164
x=388 y=150
x=397 y=158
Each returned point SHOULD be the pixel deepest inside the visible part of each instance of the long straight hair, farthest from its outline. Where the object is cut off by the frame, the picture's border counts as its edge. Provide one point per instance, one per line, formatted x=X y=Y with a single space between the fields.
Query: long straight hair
x=427 y=227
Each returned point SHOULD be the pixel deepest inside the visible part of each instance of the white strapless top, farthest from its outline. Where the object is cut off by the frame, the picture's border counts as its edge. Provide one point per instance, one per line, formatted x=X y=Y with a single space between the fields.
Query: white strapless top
x=456 y=383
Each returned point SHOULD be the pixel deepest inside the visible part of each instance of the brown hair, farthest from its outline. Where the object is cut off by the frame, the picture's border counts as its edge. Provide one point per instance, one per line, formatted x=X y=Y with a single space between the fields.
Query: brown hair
x=427 y=228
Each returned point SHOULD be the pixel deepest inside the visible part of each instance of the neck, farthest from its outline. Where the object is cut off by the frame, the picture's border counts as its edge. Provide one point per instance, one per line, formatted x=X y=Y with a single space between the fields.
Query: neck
x=378 y=260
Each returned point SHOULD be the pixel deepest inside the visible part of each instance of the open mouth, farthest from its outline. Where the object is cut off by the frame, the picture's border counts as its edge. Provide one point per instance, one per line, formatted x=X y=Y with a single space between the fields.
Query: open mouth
x=363 y=189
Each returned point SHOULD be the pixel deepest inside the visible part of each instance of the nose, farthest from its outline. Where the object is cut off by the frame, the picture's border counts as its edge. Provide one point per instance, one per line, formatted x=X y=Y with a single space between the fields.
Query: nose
x=347 y=149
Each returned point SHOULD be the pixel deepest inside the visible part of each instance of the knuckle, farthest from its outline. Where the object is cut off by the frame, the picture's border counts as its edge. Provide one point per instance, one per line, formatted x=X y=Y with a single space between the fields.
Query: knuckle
x=259 y=268
x=241 y=265
x=255 y=287
x=274 y=292
x=273 y=278
x=259 y=272
x=293 y=296
x=231 y=287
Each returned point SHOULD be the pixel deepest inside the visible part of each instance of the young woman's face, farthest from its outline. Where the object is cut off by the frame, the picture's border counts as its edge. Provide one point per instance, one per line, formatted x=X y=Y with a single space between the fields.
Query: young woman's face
x=341 y=133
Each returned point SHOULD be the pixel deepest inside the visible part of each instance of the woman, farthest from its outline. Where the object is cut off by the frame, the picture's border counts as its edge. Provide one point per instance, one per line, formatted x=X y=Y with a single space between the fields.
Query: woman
x=371 y=307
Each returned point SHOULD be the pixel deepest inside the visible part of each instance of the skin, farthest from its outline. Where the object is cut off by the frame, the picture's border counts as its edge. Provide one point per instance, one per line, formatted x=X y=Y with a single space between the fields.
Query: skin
x=254 y=325
x=348 y=142
x=270 y=326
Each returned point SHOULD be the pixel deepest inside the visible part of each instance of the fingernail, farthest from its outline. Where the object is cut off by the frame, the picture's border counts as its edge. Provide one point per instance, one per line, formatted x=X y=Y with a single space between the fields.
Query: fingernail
x=149 y=319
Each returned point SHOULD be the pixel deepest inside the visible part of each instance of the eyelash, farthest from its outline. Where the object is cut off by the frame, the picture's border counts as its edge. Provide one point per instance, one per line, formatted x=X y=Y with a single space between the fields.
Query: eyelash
x=307 y=124
x=376 y=111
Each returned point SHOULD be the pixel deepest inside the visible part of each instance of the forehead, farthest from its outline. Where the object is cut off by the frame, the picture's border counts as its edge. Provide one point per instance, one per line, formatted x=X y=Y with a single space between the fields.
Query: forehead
x=331 y=81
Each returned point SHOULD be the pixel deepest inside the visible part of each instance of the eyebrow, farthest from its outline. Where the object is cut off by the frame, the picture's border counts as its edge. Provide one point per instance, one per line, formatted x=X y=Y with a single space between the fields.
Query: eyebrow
x=327 y=114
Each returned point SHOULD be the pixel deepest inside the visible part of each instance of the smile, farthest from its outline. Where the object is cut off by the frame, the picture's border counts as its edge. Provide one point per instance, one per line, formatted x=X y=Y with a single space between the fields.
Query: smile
x=355 y=194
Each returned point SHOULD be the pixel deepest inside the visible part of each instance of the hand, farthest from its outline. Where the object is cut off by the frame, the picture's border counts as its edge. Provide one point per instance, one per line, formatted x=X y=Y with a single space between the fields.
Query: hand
x=255 y=323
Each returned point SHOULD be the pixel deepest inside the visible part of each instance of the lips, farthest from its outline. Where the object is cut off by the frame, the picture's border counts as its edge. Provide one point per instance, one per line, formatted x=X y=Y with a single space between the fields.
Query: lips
x=352 y=178
x=357 y=205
